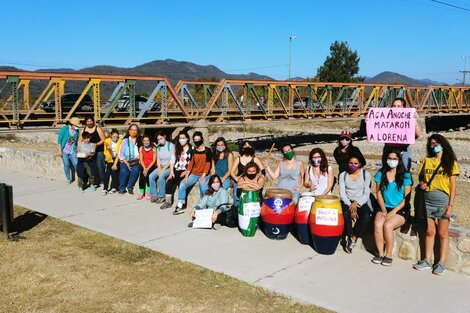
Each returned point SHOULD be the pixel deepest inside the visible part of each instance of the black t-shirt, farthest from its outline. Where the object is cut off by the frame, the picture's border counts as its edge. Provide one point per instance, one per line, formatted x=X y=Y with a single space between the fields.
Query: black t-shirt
x=342 y=159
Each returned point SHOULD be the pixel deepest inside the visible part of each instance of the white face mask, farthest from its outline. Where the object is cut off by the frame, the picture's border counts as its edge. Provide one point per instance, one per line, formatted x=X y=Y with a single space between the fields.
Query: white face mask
x=345 y=142
x=215 y=186
x=392 y=163
x=183 y=141
x=220 y=148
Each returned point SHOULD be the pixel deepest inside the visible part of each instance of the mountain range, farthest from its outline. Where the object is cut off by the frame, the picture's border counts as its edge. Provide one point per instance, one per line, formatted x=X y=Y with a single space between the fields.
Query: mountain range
x=182 y=70
x=395 y=78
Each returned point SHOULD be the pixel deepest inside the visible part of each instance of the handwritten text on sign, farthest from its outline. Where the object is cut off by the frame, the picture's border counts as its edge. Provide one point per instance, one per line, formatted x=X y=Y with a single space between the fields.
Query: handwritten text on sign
x=325 y=216
x=391 y=125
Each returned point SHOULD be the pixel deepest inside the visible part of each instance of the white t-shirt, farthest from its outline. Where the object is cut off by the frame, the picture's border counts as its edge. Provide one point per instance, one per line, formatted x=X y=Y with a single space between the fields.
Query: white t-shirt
x=113 y=148
x=321 y=182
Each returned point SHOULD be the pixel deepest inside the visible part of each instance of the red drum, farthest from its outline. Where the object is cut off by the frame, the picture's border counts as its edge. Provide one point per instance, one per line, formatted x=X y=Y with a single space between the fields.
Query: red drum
x=277 y=213
x=326 y=224
x=302 y=212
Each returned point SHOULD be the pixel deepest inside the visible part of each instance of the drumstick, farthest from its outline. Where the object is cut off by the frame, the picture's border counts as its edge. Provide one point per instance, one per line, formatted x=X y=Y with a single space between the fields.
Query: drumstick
x=269 y=153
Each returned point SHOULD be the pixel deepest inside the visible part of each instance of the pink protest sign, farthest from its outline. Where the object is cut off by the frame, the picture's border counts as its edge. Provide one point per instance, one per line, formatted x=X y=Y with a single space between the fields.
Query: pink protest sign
x=391 y=125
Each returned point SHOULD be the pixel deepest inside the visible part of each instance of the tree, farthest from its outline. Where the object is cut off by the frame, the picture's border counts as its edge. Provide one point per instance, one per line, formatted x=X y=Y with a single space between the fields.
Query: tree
x=341 y=65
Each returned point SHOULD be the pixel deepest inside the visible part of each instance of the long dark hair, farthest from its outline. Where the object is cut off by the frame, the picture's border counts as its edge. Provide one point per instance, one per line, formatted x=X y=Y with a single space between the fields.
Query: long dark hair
x=217 y=153
x=138 y=139
x=400 y=173
x=448 y=156
x=211 y=180
x=323 y=162
x=178 y=146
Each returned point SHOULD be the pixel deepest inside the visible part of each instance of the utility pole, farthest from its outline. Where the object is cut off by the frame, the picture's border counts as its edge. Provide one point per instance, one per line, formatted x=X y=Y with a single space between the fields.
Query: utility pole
x=464 y=72
x=290 y=44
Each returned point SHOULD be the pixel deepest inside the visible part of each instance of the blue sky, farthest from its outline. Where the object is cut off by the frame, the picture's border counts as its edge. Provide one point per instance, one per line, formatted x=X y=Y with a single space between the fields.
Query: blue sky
x=417 y=38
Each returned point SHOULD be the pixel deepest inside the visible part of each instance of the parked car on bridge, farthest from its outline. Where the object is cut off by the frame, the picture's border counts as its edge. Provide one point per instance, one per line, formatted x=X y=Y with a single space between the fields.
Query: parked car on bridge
x=67 y=101
x=140 y=101
x=303 y=103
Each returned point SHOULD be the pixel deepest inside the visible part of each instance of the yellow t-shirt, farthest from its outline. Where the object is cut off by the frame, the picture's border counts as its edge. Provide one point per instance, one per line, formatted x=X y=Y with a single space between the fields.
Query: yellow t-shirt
x=441 y=181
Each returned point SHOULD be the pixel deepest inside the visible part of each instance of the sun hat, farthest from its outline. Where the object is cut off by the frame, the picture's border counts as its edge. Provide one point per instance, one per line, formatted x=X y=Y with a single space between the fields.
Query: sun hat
x=75 y=121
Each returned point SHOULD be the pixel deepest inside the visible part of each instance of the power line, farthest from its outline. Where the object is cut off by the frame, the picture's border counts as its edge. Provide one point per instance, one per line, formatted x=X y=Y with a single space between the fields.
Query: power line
x=451 y=5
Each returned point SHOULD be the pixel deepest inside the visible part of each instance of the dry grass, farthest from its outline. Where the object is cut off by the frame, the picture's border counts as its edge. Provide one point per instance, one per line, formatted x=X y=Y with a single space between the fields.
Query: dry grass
x=59 y=267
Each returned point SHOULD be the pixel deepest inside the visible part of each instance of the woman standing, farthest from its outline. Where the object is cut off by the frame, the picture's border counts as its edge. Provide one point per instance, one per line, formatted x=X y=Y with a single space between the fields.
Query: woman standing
x=67 y=142
x=129 y=157
x=289 y=171
x=405 y=149
x=222 y=162
x=319 y=178
x=344 y=149
x=354 y=190
x=393 y=187
x=97 y=137
x=439 y=198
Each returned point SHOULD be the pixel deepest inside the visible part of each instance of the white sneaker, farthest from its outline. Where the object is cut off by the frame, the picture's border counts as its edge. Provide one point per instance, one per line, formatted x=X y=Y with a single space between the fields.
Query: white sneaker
x=113 y=190
x=104 y=192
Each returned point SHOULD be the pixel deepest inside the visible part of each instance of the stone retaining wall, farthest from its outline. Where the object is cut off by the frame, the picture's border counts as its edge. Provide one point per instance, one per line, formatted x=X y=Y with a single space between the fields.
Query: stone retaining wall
x=409 y=246
x=407 y=242
x=44 y=164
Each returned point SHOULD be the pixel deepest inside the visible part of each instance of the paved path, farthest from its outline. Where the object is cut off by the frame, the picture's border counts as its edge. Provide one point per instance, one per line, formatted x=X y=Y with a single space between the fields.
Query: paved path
x=341 y=282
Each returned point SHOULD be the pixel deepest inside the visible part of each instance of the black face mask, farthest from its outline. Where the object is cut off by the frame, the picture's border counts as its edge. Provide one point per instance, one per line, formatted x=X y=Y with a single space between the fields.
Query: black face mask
x=251 y=176
x=248 y=151
x=198 y=143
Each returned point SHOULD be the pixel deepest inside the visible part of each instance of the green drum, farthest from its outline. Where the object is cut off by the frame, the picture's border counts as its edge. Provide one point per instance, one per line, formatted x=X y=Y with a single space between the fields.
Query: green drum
x=248 y=212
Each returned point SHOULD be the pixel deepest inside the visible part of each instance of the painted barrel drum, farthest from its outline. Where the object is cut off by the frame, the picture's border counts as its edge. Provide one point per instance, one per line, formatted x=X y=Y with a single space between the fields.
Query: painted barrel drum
x=277 y=213
x=302 y=212
x=248 y=212
x=326 y=223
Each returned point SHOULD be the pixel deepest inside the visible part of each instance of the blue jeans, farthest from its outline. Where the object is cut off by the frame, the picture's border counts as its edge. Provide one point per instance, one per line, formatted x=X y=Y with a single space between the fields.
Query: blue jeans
x=100 y=167
x=236 y=199
x=66 y=160
x=128 y=178
x=192 y=180
x=161 y=182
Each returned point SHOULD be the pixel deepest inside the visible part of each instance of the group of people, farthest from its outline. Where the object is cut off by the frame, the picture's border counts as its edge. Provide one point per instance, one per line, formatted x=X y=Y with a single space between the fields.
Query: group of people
x=161 y=166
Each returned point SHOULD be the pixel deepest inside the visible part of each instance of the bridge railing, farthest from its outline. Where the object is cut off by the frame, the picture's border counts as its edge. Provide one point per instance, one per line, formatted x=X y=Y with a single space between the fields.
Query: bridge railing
x=23 y=93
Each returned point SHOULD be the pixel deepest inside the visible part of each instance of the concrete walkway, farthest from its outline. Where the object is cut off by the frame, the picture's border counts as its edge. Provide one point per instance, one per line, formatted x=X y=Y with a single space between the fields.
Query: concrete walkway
x=340 y=282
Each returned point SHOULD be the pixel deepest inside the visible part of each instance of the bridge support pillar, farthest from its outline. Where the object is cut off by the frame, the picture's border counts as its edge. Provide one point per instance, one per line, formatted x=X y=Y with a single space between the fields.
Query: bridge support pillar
x=203 y=127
